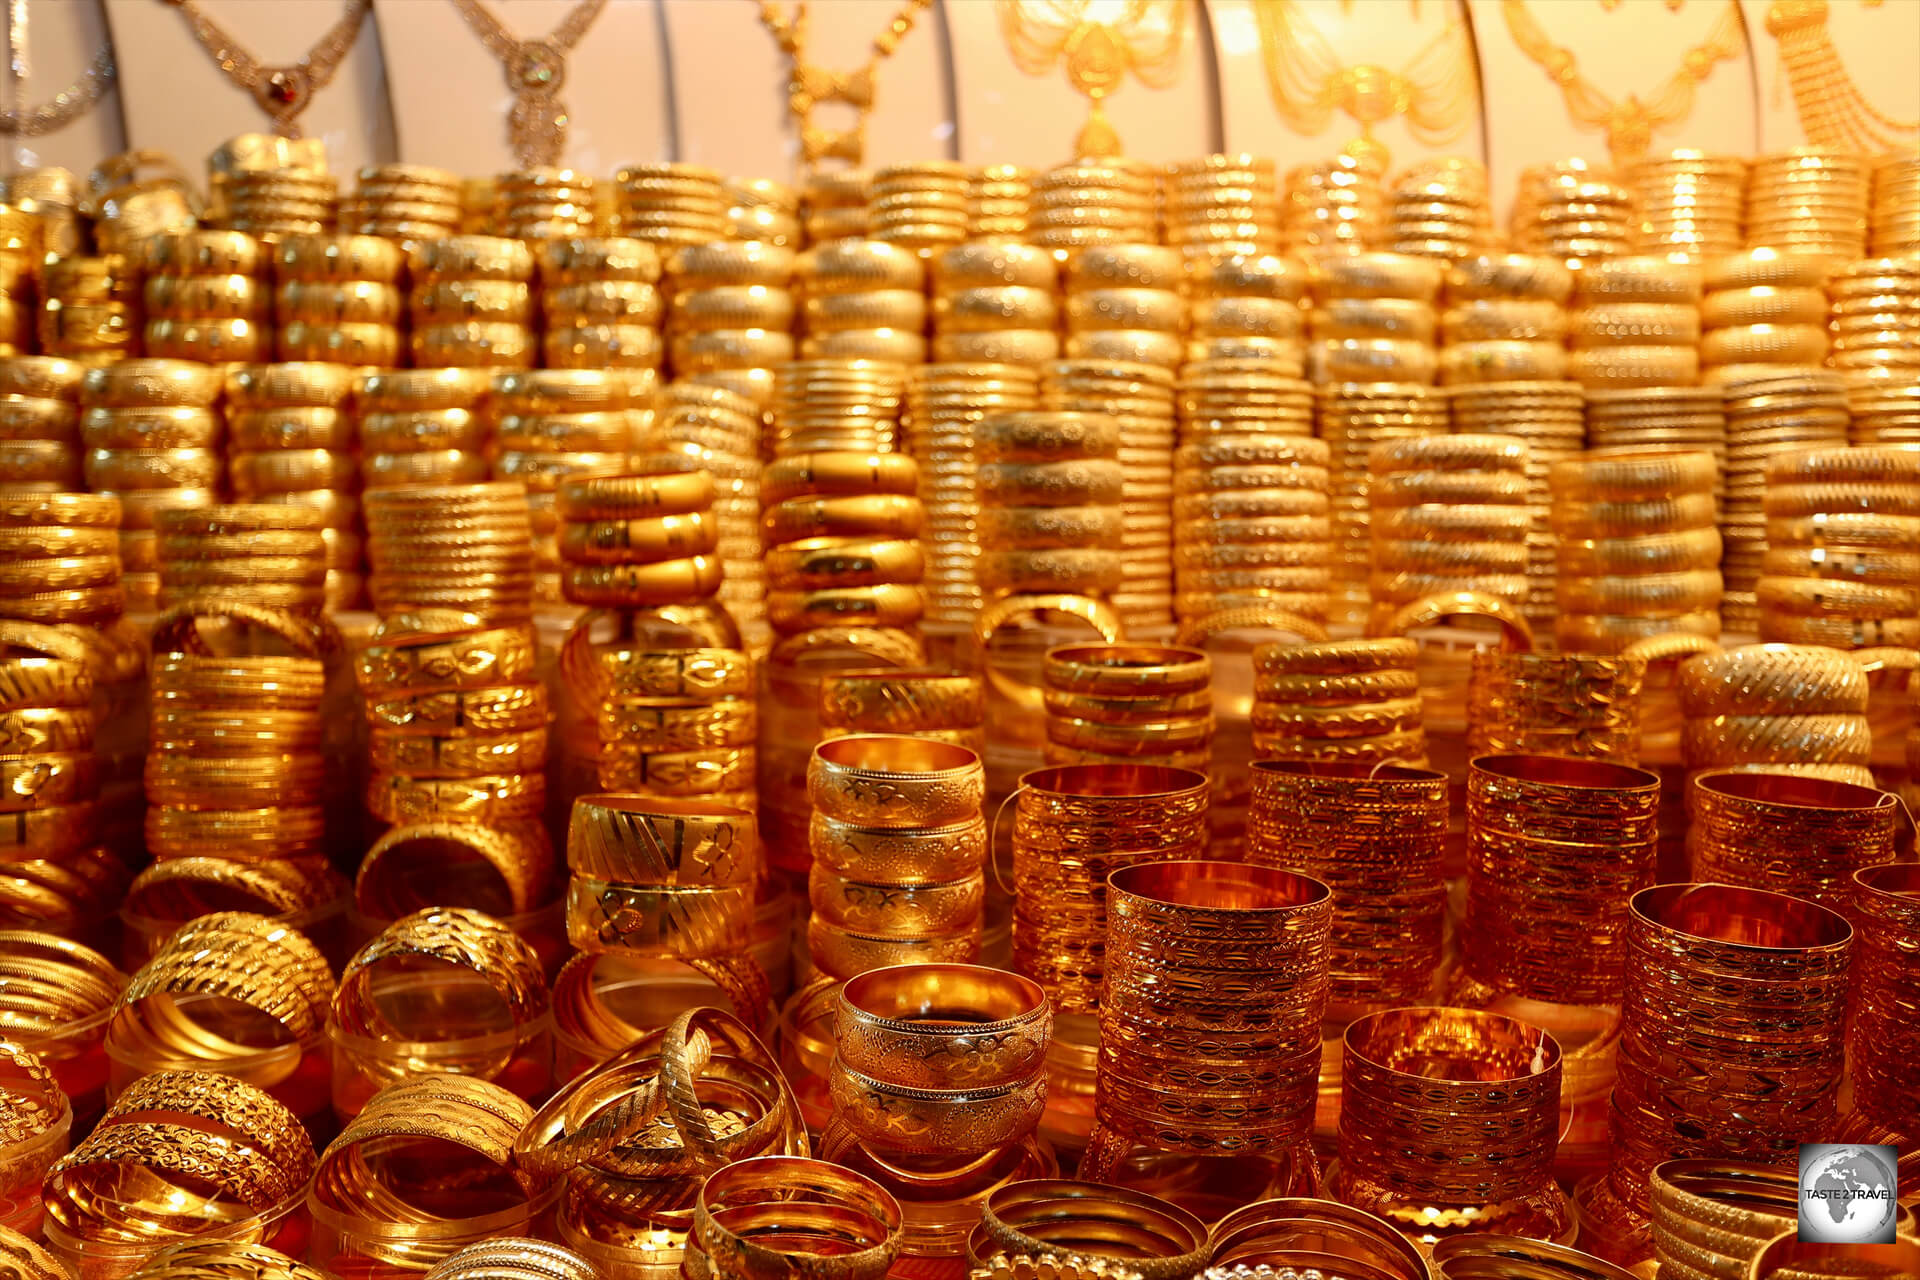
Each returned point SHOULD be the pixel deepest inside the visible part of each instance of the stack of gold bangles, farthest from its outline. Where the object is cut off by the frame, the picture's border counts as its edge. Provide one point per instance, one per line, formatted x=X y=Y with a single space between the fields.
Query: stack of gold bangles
x=1128 y=704
x=179 y=1154
x=667 y=879
x=453 y=773
x=938 y=1080
x=886 y=809
x=178 y=1010
x=424 y=1170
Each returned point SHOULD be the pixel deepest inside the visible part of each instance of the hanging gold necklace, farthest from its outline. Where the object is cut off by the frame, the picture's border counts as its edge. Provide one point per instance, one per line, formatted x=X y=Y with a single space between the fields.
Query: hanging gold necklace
x=808 y=85
x=1141 y=36
x=1629 y=124
x=282 y=92
x=1833 y=112
x=536 y=71
x=1434 y=91
x=69 y=104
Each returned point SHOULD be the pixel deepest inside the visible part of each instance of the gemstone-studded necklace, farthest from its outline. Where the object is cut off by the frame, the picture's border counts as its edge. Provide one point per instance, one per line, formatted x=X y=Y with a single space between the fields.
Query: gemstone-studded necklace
x=282 y=92
x=536 y=72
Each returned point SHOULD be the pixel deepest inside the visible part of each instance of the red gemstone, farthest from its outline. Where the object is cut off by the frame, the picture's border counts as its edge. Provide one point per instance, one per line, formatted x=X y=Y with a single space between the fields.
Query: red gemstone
x=284 y=90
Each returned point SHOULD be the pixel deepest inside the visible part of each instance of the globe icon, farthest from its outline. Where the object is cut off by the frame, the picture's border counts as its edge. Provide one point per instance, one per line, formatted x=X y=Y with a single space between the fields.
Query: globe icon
x=1847 y=1196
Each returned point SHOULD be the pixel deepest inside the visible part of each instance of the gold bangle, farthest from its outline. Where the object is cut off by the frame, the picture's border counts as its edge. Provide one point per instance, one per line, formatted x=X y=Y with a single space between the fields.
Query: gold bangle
x=894 y=782
x=644 y=540
x=298 y=426
x=28 y=730
x=943 y=1026
x=462 y=1111
x=660 y=841
x=1161 y=1240
x=643 y=724
x=660 y=921
x=960 y=1122
x=513 y=708
x=878 y=516
x=1515 y=631
x=831 y=474
x=931 y=855
x=802 y=1198
x=643 y=586
x=701 y=675
x=896 y=911
x=266 y=683
x=812 y=564
x=249 y=958
x=714 y=771
x=635 y=497
x=30 y=684
x=178 y=725
x=160 y=427
x=433 y=661
x=182 y=888
x=490 y=800
x=889 y=700
x=398 y=869
x=891 y=605
x=239 y=835
x=434 y=756
x=205 y=1257
x=446 y=936
x=271 y=780
x=139 y=383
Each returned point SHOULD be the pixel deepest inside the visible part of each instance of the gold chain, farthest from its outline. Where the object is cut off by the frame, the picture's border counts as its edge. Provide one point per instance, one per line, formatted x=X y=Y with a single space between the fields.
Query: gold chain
x=536 y=71
x=283 y=92
x=1434 y=91
x=1145 y=38
x=1629 y=124
x=809 y=85
x=1833 y=112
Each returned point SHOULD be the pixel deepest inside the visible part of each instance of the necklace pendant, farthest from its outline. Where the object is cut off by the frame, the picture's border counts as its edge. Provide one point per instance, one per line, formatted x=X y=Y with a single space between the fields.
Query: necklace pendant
x=537 y=66
x=283 y=93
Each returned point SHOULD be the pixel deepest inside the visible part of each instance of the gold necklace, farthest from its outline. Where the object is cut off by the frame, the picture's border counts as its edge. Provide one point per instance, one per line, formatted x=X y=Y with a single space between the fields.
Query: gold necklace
x=809 y=85
x=69 y=104
x=1434 y=91
x=1833 y=112
x=536 y=71
x=1144 y=37
x=282 y=92
x=1630 y=123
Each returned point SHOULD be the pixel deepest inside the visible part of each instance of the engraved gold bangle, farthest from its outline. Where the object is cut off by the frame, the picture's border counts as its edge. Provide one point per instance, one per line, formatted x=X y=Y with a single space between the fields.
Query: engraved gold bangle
x=891 y=781
x=943 y=1026
x=400 y=867
x=443 y=936
x=660 y=841
x=745 y=1210
x=1146 y=1235
x=428 y=661
x=664 y=921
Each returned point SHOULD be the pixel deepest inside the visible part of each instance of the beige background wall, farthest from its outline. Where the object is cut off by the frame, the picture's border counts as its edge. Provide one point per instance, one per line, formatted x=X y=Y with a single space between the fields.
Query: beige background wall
x=700 y=80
